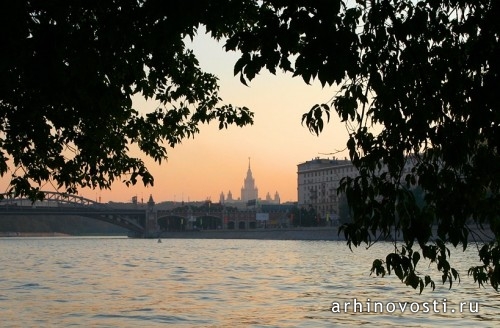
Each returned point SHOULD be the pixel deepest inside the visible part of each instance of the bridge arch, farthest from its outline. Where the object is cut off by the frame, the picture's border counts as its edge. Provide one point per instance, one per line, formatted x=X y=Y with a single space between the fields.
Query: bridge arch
x=172 y=223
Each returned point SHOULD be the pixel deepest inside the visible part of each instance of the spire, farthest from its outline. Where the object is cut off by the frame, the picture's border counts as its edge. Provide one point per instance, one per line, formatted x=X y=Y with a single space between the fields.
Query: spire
x=249 y=172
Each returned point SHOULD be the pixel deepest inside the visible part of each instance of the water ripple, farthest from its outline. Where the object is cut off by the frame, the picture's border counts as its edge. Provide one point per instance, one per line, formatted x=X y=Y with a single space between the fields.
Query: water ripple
x=119 y=282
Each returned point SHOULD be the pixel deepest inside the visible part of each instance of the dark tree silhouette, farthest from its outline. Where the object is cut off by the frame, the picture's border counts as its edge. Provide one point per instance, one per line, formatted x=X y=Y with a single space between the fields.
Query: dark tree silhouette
x=69 y=70
x=428 y=73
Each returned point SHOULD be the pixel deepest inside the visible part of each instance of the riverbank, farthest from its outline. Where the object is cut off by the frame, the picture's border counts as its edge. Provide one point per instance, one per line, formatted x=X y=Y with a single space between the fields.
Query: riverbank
x=314 y=233
x=327 y=233
x=33 y=234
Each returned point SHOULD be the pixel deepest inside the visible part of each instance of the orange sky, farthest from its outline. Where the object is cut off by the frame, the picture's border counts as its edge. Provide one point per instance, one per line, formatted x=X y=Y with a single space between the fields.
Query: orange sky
x=216 y=160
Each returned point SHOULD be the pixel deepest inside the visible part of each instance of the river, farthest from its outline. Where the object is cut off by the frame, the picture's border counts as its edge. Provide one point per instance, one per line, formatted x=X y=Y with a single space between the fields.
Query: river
x=121 y=282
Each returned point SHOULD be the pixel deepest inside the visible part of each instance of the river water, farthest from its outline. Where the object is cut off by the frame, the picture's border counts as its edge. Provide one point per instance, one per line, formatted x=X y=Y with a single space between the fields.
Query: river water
x=120 y=282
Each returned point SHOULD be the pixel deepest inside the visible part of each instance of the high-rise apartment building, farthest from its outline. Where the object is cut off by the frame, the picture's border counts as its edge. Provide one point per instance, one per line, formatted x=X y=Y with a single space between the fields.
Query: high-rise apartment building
x=317 y=184
x=319 y=179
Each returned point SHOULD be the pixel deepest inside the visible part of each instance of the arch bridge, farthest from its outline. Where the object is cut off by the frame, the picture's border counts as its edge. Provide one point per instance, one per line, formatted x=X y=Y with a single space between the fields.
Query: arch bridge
x=140 y=222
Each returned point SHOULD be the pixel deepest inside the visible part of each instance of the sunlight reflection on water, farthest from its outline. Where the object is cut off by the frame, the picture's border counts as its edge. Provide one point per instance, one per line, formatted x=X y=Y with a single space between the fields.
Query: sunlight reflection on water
x=120 y=282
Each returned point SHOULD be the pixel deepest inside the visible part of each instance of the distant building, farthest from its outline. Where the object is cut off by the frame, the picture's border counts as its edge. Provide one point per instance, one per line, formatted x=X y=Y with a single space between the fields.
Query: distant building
x=249 y=190
x=318 y=181
x=230 y=196
x=317 y=184
x=270 y=200
x=249 y=194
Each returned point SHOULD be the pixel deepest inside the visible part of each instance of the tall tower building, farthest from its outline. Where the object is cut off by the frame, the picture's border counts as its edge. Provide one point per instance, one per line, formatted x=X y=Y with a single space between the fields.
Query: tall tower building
x=249 y=190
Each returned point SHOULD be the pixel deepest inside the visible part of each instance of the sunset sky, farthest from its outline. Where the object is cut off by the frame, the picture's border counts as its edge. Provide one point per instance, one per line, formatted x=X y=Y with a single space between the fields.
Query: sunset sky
x=216 y=160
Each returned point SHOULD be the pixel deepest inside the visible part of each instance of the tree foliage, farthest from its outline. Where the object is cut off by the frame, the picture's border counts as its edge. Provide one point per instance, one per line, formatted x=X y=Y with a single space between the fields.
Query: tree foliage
x=427 y=73
x=69 y=71
x=305 y=217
